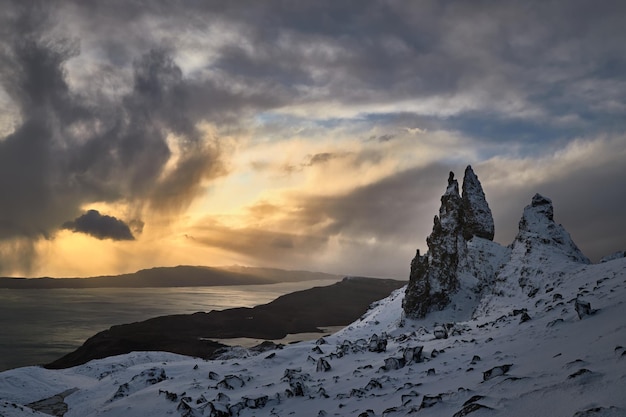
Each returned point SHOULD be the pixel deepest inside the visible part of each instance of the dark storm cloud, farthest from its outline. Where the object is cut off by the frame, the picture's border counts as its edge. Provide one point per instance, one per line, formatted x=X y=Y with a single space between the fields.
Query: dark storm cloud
x=534 y=74
x=69 y=149
x=100 y=226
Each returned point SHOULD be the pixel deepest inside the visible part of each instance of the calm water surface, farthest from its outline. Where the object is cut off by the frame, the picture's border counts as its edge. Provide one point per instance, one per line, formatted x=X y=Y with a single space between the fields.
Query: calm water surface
x=39 y=326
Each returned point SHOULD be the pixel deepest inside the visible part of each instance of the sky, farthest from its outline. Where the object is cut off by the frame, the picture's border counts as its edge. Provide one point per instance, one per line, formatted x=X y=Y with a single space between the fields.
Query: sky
x=313 y=135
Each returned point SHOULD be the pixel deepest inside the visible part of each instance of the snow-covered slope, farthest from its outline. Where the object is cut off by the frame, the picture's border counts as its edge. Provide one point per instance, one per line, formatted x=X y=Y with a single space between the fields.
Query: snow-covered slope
x=532 y=329
x=535 y=357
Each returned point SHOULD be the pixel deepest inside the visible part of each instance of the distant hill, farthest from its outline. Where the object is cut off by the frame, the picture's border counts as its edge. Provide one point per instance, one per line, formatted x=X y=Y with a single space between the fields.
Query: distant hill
x=190 y=334
x=178 y=276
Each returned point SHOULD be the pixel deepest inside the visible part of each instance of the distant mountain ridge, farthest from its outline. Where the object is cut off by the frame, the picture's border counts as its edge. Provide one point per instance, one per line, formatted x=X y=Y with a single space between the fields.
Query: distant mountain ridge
x=178 y=276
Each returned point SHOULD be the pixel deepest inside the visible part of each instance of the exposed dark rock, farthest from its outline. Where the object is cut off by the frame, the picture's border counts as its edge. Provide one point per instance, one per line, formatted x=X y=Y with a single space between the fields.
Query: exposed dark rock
x=231 y=382
x=601 y=412
x=470 y=408
x=187 y=410
x=434 y=276
x=373 y=384
x=440 y=332
x=266 y=346
x=146 y=378
x=475 y=359
x=377 y=344
x=583 y=308
x=412 y=354
x=578 y=373
x=407 y=398
x=431 y=372
x=496 y=371
x=367 y=413
x=171 y=396
x=296 y=379
x=473 y=399
x=393 y=364
x=525 y=317
x=477 y=220
x=254 y=403
x=554 y=322
x=323 y=365
x=222 y=398
x=430 y=400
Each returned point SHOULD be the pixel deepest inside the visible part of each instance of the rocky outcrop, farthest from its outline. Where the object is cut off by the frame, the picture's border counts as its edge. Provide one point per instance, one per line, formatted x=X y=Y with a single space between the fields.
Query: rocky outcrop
x=435 y=275
x=537 y=231
x=477 y=217
x=539 y=245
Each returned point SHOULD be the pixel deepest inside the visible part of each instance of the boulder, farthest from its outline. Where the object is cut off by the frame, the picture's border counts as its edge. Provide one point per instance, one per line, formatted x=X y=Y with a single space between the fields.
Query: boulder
x=496 y=371
x=440 y=332
x=583 y=308
x=322 y=365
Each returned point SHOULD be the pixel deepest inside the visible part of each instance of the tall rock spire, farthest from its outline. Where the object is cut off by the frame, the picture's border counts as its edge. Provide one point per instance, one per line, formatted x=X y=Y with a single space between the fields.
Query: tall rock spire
x=435 y=275
x=478 y=220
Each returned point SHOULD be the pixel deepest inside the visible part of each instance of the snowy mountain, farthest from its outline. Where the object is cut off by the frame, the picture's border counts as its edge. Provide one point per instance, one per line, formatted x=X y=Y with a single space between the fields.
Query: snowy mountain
x=532 y=329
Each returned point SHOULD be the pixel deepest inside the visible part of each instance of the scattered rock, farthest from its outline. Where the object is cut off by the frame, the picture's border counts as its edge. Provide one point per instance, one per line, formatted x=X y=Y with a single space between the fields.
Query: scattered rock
x=430 y=400
x=496 y=371
x=601 y=412
x=440 y=332
x=373 y=384
x=578 y=373
x=254 y=403
x=470 y=408
x=393 y=364
x=473 y=399
x=431 y=372
x=377 y=344
x=171 y=396
x=408 y=398
x=322 y=365
x=583 y=308
x=475 y=360
x=554 y=322
x=297 y=385
x=525 y=317
x=413 y=354
x=231 y=382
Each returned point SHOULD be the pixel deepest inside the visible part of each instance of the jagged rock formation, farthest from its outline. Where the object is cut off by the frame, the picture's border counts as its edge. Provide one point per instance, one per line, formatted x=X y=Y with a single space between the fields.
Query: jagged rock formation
x=461 y=255
x=435 y=275
x=477 y=218
x=539 y=245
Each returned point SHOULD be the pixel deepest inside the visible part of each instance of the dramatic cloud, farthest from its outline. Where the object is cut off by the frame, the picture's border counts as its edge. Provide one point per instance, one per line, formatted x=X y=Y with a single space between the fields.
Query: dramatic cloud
x=303 y=133
x=100 y=226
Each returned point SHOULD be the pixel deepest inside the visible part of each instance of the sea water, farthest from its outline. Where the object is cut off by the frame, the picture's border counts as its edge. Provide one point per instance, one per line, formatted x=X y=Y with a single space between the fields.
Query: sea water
x=38 y=326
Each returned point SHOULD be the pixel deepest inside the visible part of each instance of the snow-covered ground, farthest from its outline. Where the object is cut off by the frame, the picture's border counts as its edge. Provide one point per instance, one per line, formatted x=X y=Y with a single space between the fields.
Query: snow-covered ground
x=530 y=356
